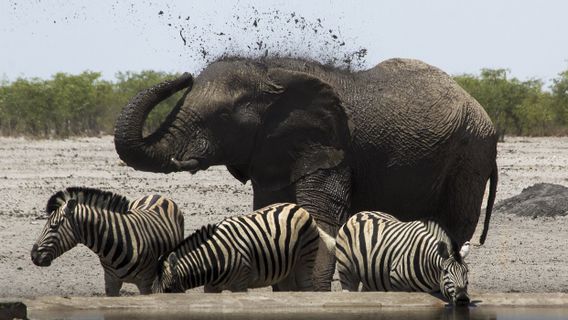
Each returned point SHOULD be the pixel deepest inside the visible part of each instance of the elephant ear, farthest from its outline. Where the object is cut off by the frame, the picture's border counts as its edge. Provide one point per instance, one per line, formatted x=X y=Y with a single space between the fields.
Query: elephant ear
x=303 y=130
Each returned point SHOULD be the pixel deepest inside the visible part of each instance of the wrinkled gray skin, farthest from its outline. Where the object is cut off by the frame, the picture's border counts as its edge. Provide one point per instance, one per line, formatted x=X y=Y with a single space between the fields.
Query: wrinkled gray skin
x=401 y=137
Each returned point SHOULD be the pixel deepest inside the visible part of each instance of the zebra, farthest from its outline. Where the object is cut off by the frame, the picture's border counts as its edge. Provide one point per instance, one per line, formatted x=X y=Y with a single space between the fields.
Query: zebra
x=276 y=245
x=385 y=254
x=128 y=236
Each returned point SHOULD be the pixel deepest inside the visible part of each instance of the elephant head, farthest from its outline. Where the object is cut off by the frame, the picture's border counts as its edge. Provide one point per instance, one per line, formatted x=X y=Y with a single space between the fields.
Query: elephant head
x=266 y=123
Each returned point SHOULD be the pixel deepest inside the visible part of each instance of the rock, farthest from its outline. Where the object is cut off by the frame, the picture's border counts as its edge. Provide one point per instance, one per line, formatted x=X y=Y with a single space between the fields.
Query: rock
x=539 y=200
x=13 y=310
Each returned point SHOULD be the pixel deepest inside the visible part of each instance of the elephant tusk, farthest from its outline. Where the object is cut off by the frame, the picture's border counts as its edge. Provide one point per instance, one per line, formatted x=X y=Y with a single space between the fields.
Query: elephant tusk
x=186 y=165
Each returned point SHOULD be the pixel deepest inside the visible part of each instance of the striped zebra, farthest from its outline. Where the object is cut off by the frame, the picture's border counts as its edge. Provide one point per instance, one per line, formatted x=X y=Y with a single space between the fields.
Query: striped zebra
x=276 y=245
x=128 y=237
x=385 y=254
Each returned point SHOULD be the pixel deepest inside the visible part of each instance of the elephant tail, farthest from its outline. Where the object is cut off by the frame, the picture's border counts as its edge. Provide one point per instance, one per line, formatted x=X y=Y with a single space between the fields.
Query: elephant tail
x=490 y=201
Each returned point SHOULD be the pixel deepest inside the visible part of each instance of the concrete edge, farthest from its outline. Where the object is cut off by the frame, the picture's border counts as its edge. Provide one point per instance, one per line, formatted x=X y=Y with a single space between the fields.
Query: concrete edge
x=284 y=301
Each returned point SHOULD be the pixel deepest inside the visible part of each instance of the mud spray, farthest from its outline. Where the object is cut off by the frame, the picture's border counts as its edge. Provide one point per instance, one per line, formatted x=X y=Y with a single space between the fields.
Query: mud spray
x=254 y=33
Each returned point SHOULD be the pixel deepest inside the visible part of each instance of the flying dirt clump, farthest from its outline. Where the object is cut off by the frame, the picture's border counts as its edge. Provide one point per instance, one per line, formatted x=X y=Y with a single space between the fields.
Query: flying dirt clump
x=539 y=200
x=254 y=33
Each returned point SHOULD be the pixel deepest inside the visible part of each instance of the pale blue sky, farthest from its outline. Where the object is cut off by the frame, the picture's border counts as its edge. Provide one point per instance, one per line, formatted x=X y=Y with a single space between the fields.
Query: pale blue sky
x=41 y=37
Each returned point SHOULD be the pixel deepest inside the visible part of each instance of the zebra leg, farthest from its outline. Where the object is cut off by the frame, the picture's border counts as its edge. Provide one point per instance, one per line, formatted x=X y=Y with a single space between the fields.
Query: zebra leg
x=112 y=285
x=326 y=195
x=366 y=289
x=145 y=287
x=350 y=285
x=347 y=276
x=238 y=287
x=211 y=289
x=300 y=277
x=304 y=267
x=286 y=284
x=304 y=277
x=240 y=282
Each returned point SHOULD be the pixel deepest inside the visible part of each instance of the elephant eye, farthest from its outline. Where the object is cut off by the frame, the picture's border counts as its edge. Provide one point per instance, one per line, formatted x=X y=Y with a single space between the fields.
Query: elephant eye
x=201 y=145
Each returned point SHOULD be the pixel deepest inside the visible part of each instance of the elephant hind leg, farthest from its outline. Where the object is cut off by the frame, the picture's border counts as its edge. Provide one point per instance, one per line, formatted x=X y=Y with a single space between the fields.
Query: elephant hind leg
x=461 y=202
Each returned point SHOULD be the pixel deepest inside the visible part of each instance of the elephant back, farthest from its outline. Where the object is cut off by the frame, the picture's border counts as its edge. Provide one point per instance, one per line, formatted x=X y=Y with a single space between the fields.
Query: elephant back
x=414 y=110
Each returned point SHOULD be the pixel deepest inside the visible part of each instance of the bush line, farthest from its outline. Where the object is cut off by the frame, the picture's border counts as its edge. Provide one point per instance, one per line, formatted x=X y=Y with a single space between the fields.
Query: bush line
x=86 y=105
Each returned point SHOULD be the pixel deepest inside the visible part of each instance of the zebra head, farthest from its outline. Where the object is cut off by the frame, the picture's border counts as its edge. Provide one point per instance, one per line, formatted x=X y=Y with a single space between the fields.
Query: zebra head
x=453 y=277
x=57 y=236
x=167 y=278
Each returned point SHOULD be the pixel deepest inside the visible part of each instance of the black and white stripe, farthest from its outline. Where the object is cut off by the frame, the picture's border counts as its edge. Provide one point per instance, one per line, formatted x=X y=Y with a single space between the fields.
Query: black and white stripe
x=129 y=237
x=385 y=254
x=276 y=245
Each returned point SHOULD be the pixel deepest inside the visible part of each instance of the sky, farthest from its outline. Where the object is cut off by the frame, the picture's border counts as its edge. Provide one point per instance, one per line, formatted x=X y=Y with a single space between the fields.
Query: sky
x=41 y=37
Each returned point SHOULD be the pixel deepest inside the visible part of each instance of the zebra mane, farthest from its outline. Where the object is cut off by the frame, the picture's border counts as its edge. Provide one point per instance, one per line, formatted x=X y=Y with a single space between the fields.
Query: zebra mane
x=197 y=237
x=90 y=196
x=440 y=233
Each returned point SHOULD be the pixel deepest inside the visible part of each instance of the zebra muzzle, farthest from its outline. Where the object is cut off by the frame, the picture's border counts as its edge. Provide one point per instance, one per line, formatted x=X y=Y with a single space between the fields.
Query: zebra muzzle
x=40 y=259
x=461 y=298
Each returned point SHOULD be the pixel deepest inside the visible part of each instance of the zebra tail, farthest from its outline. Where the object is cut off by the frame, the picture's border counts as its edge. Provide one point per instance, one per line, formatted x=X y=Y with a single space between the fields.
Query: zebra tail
x=327 y=240
x=490 y=201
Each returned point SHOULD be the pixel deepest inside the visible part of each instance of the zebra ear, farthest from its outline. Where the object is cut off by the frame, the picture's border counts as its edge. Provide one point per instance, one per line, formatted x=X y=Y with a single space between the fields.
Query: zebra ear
x=70 y=207
x=443 y=250
x=464 y=251
x=160 y=266
x=172 y=260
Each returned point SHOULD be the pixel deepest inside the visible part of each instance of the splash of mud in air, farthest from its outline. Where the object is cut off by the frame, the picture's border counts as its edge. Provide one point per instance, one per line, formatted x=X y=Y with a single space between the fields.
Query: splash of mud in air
x=256 y=34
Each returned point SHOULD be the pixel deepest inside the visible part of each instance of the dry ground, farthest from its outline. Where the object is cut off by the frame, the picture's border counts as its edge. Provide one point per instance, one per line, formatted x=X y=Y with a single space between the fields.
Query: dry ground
x=521 y=254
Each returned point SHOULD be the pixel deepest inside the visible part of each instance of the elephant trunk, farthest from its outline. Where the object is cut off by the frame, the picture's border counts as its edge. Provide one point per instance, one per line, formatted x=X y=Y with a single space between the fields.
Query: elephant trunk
x=152 y=153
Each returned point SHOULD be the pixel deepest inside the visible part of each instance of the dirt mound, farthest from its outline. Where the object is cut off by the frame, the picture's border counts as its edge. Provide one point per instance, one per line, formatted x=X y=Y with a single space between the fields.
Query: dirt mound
x=539 y=200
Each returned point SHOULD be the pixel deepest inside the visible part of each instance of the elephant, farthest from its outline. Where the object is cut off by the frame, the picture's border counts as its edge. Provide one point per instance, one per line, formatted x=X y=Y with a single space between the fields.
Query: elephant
x=401 y=137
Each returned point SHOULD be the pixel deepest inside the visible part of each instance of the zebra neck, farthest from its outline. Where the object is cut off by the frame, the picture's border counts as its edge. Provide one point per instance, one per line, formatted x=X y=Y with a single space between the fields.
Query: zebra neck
x=202 y=265
x=436 y=233
x=423 y=263
x=100 y=230
x=437 y=271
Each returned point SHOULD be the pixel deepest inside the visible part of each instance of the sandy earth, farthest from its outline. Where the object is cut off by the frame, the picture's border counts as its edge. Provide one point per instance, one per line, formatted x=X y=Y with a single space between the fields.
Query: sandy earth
x=521 y=254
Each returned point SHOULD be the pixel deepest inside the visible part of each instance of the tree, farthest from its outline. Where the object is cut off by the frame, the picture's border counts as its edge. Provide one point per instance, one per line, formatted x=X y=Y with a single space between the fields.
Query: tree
x=84 y=104
x=559 y=90
x=516 y=107
x=535 y=111
x=22 y=107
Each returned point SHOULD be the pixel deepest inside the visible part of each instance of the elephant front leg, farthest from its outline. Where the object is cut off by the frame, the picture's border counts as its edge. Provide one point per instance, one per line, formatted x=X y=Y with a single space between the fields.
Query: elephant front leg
x=326 y=195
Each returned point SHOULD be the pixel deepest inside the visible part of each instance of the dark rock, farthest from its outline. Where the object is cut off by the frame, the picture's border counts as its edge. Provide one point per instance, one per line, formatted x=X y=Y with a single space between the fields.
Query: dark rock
x=13 y=310
x=539 y=200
